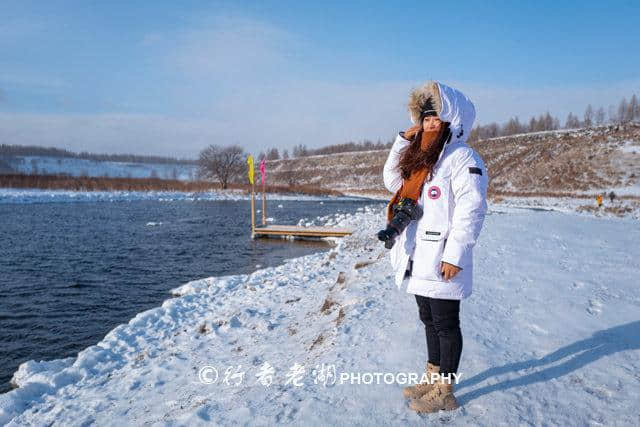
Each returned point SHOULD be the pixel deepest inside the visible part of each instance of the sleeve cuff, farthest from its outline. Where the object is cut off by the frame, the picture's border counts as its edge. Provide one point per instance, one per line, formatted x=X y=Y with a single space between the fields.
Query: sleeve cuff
x=400 y=142
x=453 y=253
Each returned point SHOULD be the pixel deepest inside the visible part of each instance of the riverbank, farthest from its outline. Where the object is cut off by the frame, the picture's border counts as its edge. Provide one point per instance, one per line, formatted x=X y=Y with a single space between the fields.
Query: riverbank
x=76 y=266
x=71 y=183
x=18 y=196
x=545 y=342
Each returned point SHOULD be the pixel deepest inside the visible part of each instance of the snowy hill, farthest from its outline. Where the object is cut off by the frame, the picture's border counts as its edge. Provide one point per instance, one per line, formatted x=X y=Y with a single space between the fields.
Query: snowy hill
x=551 y=337
x=576 y=163
x=602 y=158
x=46 y=165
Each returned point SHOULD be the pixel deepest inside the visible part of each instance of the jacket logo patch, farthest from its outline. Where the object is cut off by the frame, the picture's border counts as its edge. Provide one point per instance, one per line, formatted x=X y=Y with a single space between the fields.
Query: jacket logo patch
x=432 y=233
x=475 y=170
x=433 y=192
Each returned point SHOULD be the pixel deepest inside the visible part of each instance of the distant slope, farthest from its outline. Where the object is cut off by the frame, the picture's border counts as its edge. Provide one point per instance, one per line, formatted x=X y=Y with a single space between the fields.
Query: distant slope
x=49 y=165
x=566 y=161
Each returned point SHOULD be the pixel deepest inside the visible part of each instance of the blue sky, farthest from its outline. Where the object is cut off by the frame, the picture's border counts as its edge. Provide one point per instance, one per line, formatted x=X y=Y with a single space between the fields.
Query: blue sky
x=168 y=77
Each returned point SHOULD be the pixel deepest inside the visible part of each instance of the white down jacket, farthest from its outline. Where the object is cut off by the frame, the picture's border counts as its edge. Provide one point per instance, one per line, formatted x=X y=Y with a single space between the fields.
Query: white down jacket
x=454 y=204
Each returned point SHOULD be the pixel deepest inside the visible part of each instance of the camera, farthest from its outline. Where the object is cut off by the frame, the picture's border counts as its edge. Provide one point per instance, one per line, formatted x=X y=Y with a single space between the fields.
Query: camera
x=404 y=212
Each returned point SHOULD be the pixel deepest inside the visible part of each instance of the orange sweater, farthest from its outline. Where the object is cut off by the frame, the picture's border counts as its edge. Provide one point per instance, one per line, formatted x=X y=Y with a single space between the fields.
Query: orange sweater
x=412 y=187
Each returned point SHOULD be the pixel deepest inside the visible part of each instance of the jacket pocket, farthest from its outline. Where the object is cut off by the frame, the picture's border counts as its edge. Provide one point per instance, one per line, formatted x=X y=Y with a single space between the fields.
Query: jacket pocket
x=428 y=254
x=397 y=252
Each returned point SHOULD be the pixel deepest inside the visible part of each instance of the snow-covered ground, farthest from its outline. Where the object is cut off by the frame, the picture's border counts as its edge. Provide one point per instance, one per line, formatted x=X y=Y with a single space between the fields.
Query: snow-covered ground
x=15 y=195
x=628 y=208
x=551 y=337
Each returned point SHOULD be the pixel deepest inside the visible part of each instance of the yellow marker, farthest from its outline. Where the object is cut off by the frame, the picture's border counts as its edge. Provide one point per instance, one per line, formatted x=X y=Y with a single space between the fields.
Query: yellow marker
x=250 y=162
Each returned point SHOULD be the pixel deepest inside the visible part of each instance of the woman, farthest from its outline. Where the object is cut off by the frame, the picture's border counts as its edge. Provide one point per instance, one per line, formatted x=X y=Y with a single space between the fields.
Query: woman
x=432 y=256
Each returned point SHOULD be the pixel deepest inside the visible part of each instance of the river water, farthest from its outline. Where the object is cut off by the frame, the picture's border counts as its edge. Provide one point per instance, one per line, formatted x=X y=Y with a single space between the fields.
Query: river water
x=72 y=271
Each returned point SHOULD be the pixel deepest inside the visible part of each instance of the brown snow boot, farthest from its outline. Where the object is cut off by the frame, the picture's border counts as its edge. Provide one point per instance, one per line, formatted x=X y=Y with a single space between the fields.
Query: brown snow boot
x=440 y=397
x=418 y=390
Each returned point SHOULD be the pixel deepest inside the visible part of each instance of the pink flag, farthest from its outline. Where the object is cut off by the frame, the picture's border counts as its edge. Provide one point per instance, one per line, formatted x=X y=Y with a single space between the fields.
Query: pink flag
x=262 y=171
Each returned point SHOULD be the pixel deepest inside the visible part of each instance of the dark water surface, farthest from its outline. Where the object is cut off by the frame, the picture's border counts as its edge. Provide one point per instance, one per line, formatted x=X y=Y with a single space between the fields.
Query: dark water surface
x=71 y=272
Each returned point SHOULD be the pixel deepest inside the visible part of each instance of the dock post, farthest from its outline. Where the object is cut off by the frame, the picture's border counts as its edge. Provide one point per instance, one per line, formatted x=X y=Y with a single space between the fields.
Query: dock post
x=264 y=197
x=253 y=214
x=264 y=205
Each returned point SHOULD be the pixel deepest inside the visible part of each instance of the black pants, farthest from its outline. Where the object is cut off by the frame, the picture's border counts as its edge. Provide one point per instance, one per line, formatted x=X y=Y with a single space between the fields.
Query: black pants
x=441 y=318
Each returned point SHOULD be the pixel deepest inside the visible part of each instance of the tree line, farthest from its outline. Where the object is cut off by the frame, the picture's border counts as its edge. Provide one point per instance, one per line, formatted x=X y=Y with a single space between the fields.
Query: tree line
x=33 y=150
x=301 y=150
x=627 y=111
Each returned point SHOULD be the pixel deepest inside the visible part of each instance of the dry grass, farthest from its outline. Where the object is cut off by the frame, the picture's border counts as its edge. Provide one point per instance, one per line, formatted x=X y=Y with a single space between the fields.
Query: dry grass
x=340 y=317
x=497 y=196
x=557 y=163
x=317 y=341
x=619 y=210
x=326 y=306
x=362 y=264
x=64 y=182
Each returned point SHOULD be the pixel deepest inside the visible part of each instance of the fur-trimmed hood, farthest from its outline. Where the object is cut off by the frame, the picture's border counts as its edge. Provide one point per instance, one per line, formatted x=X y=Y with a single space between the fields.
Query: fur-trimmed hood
x=451 y=105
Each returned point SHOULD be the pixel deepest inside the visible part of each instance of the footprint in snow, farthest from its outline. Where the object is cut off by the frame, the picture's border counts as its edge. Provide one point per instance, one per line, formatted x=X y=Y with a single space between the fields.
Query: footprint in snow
x=595 y=307
x=577 y=285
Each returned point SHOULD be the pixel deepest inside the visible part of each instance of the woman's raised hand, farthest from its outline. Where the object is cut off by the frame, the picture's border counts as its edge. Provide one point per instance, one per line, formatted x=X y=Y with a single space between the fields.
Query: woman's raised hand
x=411 y=132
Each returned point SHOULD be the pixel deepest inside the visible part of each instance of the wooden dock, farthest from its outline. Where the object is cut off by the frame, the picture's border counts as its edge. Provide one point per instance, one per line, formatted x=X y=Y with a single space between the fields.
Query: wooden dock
x=294 y=230
x=284 y=230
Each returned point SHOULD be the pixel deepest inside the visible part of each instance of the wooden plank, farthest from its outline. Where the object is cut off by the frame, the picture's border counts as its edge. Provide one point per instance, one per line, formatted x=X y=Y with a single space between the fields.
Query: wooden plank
x=294 y=230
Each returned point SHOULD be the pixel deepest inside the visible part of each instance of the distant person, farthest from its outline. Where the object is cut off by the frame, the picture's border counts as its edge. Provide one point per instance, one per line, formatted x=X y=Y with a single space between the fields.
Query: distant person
x=433 y=222
x=612 y=196
x=599 y=200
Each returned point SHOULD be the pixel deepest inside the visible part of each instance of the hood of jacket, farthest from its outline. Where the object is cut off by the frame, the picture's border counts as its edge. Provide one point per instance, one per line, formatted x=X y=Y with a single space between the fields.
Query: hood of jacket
x=451 y=105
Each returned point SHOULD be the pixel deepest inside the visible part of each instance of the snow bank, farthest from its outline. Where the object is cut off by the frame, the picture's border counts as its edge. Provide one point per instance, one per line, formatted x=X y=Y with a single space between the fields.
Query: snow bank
x=551 y=336
x=13 y=195
x=628 y=208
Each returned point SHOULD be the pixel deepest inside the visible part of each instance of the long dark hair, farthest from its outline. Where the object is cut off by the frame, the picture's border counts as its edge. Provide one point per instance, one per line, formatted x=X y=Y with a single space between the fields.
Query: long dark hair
x=414 y=158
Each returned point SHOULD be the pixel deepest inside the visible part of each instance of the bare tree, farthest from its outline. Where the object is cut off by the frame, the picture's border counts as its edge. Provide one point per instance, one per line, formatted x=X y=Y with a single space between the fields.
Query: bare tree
x=634 y=109
x=588 y=116
x=300 y=150
x=548 y=122
x=221 y=163
x=493 y=129
x=572 y=122
x=623 y=109
x=612 y=114
x=513 y=127
x=600 y=116
x=273 y=154
x=285 y=154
